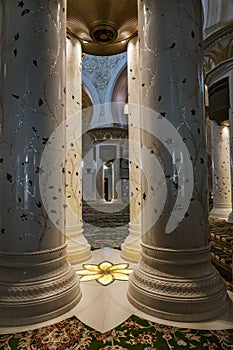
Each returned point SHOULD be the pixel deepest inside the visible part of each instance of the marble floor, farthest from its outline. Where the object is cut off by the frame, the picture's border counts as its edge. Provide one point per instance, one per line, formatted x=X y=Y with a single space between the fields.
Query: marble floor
x=105 y=307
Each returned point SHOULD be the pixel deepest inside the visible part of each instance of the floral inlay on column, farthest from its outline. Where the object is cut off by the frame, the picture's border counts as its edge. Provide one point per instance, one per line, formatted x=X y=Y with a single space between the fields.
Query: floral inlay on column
x=105 y=272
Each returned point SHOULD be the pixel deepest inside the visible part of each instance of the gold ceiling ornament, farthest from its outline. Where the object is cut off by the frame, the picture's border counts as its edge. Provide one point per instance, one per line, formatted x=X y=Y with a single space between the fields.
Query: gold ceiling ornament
x=102 y=26
x=105 y=272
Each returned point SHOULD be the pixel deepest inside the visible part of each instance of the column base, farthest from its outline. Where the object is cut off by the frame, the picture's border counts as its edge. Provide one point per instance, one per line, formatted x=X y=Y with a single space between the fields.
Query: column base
x=79 y=253
x=117 y=201
x=78 y=249
x=230 y=217
x=130 y=252
x=178 y=285
x=220 y=213
x=131 y=248
x=35 y=287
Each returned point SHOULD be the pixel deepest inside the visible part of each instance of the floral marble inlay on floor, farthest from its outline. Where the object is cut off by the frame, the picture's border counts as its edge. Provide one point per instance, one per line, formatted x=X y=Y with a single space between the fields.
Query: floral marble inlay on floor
x=105 y=272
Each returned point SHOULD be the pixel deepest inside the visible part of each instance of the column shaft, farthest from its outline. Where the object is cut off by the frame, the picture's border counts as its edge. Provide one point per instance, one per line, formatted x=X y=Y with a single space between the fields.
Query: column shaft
x=175 y=278
x=230 y=219
x=130 y=249
x=78 y=247
x=221 y=171
x=36 y=281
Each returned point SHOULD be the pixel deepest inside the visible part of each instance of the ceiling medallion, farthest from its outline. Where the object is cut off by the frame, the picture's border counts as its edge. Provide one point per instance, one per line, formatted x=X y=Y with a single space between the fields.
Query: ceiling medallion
x=103 y=27
x=103 y=34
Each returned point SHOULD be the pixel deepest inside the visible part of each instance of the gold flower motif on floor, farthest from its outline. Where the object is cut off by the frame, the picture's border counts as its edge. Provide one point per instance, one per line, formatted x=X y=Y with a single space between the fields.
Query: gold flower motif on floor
x=105 y=273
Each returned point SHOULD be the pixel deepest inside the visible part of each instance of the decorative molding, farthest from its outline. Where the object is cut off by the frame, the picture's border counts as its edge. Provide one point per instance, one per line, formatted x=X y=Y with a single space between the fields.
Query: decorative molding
x=164 y=263
x=178 y=292
x=177 y=284
x=63 y=280
x=217 y=34
x=153 y=255
x=218 y=47
x=179 y=287
x=25 y=257
x=36 y=286
x=218 y=72
x=108 y=133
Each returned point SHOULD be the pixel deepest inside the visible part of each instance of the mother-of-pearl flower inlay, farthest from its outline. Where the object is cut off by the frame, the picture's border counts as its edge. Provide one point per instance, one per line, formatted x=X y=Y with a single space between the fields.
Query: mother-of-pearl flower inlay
x=105 y=272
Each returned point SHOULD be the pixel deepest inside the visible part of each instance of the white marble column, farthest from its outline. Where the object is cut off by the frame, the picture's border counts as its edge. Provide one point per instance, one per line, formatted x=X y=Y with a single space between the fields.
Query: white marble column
x=36 y=280
x=175 y=278
x=78 y=247
x=130 y=249
x=230 y=218
x=221 y=171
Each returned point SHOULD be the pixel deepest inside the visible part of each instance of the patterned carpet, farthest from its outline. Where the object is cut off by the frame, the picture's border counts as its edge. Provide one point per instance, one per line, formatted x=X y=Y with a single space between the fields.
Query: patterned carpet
x=134 y=333
x=103 y=228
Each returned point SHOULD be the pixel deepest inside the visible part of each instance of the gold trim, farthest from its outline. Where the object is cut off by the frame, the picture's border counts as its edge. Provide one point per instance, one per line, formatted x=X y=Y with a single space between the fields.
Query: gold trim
x=225 y=25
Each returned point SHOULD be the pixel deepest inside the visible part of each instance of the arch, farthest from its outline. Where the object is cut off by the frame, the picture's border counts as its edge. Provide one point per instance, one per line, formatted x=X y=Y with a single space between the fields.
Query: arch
x=120 y=91
x=110 y=88
x=94 y=96
x=120 y=97
x=90 y=88
x=119 y=76
x=86 y=98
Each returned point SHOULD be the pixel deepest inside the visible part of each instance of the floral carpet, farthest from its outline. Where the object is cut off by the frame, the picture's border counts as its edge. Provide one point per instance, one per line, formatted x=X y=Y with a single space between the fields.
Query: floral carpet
x=134 y=333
